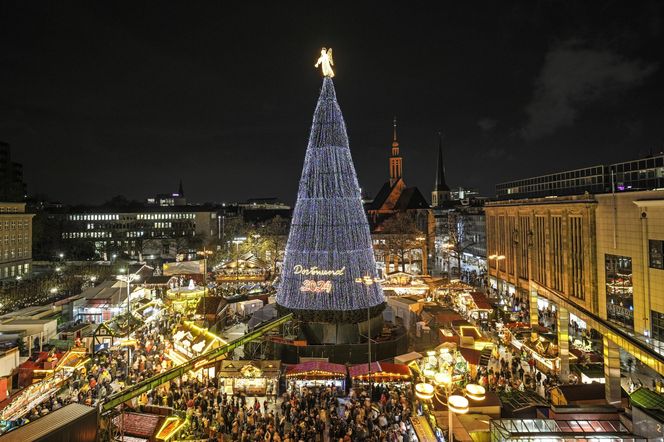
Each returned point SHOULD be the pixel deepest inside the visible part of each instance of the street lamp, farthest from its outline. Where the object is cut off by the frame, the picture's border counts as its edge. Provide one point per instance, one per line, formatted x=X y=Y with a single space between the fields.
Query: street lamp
x=458 y=403
x=205 y=254
x=53 y=290
x=128 y=279
x=367 y=281
x=237 y=241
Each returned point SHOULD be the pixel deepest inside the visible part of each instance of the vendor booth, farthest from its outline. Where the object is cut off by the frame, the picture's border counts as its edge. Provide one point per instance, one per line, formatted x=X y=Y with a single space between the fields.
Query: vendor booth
x=381 y=372
x=316 y=374
x=250 y=378
x=189 y=341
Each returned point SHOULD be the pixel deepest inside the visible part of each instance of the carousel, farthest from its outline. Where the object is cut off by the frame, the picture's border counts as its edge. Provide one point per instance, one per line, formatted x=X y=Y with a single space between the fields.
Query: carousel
x=404 y=284
x=185 y=299
x=245 y=268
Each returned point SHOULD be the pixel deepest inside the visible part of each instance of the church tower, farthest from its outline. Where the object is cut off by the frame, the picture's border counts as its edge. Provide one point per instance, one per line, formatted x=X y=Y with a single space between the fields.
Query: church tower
x=396 y=162
x=441 y=191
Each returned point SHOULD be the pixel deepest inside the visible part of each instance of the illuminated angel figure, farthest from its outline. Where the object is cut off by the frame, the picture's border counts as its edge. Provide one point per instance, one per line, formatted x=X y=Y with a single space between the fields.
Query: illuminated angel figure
x=326 y=62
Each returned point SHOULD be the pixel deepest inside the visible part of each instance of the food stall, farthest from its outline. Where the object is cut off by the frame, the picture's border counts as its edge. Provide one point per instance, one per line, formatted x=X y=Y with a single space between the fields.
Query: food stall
x=541 y=348
x=189 y=341
x=34 y=394
x=381 y=372
x=250 y=378
x=316 y=374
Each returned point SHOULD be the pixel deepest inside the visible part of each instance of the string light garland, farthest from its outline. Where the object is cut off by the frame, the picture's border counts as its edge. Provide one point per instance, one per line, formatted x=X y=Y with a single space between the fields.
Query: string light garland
x=329 y=246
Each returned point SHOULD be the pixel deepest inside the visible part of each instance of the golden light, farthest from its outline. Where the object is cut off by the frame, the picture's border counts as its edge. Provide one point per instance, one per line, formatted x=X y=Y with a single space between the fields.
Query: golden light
x=431 y=353
x=429 y=373
x=475 y=392
x=424 y=391
x=457 y=404
x=443 y=378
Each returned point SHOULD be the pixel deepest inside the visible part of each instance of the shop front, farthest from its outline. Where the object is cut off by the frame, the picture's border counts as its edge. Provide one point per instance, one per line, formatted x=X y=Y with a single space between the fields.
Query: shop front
x=250 y=378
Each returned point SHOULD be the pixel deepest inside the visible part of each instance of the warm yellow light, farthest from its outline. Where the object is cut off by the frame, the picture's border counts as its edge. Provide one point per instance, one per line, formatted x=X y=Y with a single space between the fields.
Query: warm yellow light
x=429 y=373
x=443 y=378
x=431 y=353
x=457 y=404
x=475 y=392
x=424 y=391
x=326 y=62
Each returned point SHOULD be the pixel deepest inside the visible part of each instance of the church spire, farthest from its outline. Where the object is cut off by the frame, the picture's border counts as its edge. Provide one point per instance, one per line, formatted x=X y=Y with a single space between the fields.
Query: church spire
x=180 y=189
x=396 y=162
x=441 y=191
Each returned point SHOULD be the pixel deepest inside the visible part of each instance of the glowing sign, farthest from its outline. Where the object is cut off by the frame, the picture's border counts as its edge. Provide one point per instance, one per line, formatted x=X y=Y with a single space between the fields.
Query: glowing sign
x=315 y=271
x=311 y=286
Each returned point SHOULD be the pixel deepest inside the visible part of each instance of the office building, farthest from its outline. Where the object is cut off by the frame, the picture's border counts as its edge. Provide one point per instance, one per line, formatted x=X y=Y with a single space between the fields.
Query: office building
x=12 y=187
x=642 y=174
x=598 y=260
x=149 y=232
x=15 y=240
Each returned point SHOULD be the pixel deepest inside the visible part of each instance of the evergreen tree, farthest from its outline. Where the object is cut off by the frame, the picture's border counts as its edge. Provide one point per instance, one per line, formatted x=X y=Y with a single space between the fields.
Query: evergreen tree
x=329 y=246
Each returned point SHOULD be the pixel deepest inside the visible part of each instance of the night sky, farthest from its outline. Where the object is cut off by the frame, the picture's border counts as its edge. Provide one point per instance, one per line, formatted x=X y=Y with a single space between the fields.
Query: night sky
x=105 y=98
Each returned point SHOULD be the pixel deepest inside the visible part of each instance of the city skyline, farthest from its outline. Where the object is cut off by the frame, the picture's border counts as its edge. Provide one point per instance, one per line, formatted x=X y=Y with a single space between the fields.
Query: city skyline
x=219 y=99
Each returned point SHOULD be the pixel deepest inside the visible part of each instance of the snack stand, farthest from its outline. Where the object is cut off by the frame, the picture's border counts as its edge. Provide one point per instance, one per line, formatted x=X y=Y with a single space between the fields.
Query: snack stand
x=250 y=378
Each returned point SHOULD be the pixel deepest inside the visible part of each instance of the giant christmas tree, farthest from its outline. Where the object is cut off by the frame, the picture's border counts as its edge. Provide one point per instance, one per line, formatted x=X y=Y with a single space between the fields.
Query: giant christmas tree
x=329 y=270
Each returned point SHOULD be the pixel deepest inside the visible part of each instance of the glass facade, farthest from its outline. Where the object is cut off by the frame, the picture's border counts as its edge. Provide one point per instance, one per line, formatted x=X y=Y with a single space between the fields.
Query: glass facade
x=619 y=290
x=647 y=173
x=657 y=322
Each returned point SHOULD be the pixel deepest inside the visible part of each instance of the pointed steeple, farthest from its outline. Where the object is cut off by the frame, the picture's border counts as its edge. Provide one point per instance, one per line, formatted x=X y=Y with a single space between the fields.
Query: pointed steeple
x=396 y=162
x=180 y=189
x=441 y=191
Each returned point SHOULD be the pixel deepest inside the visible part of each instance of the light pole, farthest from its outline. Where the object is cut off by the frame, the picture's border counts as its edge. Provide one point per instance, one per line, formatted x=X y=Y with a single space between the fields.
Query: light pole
x=237 y=241
x=367 y=281
x=443 y=388
x=128 y=279
x=205 y=254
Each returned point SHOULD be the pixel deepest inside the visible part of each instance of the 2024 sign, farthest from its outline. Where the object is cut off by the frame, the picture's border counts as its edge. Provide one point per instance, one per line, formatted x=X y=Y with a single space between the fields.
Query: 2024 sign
x=311 y=286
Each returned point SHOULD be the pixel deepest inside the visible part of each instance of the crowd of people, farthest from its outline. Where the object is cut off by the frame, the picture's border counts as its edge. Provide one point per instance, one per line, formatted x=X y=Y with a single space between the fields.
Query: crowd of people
x=310 y=414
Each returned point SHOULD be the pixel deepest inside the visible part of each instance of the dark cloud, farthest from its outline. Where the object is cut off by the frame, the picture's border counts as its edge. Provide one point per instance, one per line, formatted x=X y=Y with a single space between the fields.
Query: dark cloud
x=487 y=124
x=573 y=76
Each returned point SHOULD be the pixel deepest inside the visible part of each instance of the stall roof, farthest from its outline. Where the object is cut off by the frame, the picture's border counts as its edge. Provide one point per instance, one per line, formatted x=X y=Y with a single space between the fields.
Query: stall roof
x=648 y=400
x=408 y=357
x=272 y=367
x=311 y=367
x=139 y=424
x=47 y=424
x=481 y=301
x=583 y=392
x=471 y=355
x=379 y=369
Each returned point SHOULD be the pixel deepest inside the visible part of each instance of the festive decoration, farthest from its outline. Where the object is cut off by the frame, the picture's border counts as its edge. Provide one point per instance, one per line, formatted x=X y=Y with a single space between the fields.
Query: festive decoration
x=329 y=246
x=326 y=62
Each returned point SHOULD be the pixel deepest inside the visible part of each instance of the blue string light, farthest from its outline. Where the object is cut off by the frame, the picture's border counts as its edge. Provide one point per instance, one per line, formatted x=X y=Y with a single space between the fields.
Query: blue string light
x=329 y=245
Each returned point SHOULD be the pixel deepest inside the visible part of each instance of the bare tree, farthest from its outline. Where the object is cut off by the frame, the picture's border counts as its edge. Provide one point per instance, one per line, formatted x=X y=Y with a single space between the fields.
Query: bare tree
x=398 y=235
x=457 y=239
